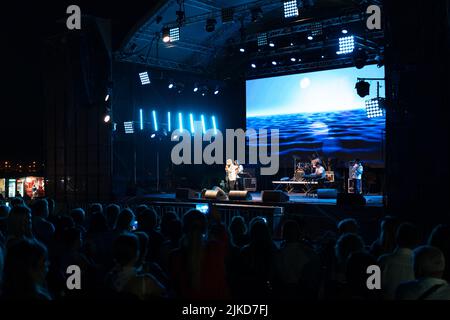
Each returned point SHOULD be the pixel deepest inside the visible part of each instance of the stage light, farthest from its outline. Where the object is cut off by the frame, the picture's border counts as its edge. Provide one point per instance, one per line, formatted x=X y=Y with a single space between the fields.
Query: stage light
x=310 y=37
x=290 y=9
x=322 y=57
x=253 y=66
x=213 y=118
x=180 y=121
x=129 y=127
x=107 y=97
x=145 y=79
x=362 y=88
x=274 y=63
x=374 y=108
x=210 y=25
x=166 y=35
x=191 y=121
x=174 y=34
x=291 y=44
x=271 y=44
x=169 y=124
x=293 y=59
x=107 y=118
x=141 y=119
x=171 y=85
x=217 y=90
x=196 y=87
x=316 y=29
x=346 y=45
x=261 y=39
x=203 y=124
x=344 y=31
x=153 y=135
x=242 y=50
x=155 y=122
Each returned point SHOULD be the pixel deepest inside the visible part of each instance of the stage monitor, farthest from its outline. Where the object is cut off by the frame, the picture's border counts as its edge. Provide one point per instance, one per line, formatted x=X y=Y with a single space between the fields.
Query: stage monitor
x=319 y=112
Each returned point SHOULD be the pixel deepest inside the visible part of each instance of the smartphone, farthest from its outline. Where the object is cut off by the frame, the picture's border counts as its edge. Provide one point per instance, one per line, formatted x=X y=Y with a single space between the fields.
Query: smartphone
x=134 y=225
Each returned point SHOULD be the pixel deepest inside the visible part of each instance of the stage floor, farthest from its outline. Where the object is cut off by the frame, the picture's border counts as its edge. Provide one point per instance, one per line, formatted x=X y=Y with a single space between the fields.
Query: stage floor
x=372 y=200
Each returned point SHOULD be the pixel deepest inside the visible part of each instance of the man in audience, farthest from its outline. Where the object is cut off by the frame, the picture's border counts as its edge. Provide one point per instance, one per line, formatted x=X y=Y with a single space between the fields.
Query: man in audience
x=42 y=229
x=429 y=265
x=397 y=267
x=348 y=225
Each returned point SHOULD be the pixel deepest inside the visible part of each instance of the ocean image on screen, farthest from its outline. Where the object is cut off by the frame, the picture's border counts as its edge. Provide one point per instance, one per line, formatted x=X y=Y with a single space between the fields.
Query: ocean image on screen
x=319 y=112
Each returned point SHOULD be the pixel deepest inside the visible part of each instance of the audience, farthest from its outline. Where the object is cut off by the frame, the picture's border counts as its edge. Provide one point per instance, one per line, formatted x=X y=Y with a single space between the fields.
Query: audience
x=141 y=254
x=429 y=266
x=397 y=267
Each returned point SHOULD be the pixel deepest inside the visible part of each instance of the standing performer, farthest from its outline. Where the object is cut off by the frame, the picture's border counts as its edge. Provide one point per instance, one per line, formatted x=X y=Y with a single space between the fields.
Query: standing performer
x=231 y=171
x=357 y=171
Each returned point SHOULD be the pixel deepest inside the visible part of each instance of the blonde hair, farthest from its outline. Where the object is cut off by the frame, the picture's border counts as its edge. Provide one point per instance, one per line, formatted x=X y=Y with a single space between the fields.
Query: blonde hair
x=229 y=162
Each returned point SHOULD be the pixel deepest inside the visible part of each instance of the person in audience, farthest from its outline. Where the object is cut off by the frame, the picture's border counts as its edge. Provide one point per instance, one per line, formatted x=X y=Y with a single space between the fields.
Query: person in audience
x=140 y=208
x=397 y=267
x=124 y=221
x=19 y=225
x=125 y=277
x=166 y=218
x=42 y=229
x=25 y=270
x=440 y=238
x=238 y=232
x=297 y=265
x=79 y=218
x=99 y=240
x=429 y=266
x=147 y=222
x=257 y=262
x=174 y=231
x=349 y=225
x=112 y=211
x=197 y=268
x=386 y=241
x=4 y=213
x=17 y=201
x=347 y=244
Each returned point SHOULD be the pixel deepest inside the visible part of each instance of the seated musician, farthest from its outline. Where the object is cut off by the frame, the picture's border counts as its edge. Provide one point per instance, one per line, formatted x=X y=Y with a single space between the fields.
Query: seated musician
x=319 y=173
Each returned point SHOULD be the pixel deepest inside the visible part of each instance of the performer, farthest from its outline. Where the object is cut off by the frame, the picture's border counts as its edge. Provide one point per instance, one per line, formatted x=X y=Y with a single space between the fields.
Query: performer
x=357 y=171
x=319 y=172
x=231 y=174
x=239 y=178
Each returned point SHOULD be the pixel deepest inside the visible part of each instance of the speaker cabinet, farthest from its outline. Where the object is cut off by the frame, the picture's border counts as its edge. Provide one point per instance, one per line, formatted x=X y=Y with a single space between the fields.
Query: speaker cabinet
x=215 y=194
x=274 y=196
x=239 y=195
x=185 y=193
x=350 y=199
x=326 y=193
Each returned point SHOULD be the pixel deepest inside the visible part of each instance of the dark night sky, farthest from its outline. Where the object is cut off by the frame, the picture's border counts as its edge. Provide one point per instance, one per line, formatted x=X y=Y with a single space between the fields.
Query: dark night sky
x=24 y=27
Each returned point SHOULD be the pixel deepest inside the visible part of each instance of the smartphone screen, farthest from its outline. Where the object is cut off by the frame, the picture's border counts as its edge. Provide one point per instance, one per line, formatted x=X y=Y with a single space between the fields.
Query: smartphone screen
x=203 y=208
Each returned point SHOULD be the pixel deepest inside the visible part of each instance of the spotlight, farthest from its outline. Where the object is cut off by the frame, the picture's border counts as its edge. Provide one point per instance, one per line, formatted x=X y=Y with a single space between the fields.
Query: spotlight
x=360 y=58
x=375 y=108
x=271 y=44
x=196 y=87
x=216 y=91
x=166 y=35
x=129 y=127
x=153 y=135
x=169 y=122
x=310 y=37
x=261 y=39
x=171 y=85
x=346 y=45
x=362 y=88
x=155 y=122
x=145 y=79
x=344 y=31
x=253 y=66
x=107 y=118
x=174 y=34
x=293 y=59
x=274 y=63
x=323 y=57
x=107 y=97
x=141 y=119
x=242 y=50
x=210 y=25
x=291 y=44
x=290 y=9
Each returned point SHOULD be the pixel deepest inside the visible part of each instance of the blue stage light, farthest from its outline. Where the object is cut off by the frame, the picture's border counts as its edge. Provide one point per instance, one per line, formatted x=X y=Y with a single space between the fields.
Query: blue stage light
x=180 y=121
x=373 y=108
x=253 y=65
x=153 y=135
x=191 y=120
x=141 y=119
x=346 y=45
x=155 y=122
x=169 y=122
x=203 y=124
x=290 y=9
x=145 y=79
x=213 y=118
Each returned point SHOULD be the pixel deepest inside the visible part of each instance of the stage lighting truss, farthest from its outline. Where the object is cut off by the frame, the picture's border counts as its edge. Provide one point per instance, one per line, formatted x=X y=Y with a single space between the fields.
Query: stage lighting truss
x=129 y=127
x=145 y=79
x=375 y=108
x=174 y=34
x=290 y=9
x=262 y=39
x=346 y=45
